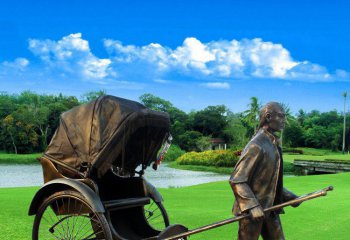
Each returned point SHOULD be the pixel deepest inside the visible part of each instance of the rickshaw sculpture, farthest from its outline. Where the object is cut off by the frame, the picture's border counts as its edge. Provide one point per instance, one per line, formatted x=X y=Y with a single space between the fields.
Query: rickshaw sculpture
x=93 y=173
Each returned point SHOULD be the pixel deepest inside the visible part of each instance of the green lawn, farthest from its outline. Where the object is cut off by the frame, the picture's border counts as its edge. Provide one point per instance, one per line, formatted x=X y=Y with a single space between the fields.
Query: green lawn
x=291 y=157
x=323 y=218
x=19 y=158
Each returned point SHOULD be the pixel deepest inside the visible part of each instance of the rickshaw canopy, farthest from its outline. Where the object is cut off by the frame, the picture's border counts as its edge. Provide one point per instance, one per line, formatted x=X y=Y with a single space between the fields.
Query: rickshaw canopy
x=108 y=131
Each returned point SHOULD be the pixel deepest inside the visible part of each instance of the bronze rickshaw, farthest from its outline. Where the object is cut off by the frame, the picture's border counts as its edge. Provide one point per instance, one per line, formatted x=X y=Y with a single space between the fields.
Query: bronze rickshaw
x=93 y=174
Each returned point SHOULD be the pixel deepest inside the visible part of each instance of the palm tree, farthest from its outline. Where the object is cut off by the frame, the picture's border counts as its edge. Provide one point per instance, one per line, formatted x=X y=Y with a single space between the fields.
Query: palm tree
x=345 y=94
x=289 y=117
x=252 y=114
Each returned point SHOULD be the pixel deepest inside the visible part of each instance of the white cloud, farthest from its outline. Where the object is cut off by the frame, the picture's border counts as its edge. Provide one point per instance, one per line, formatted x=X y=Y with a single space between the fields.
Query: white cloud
x=71 y=55
x=163 y=81
x=18 y=64
x=214 y=64
x=247 y=58
x=217 y=85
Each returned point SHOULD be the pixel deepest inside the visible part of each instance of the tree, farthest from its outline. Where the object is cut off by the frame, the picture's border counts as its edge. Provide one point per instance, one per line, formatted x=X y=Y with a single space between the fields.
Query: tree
x=235 y=132
x=211 y=121
x=293 y=134
x=251 y=116
x=155 y=103
x=345 y=94
x=92 y=95
x=203 y=143
x=7 y=104
x=10 y=129
x=188 y=140
x=178 y=118
x=301 y=117
x=288 y=116
x=21 y=131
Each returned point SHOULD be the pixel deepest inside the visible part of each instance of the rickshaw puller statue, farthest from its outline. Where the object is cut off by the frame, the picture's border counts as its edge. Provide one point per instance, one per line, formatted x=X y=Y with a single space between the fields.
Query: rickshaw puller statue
x=257 y=179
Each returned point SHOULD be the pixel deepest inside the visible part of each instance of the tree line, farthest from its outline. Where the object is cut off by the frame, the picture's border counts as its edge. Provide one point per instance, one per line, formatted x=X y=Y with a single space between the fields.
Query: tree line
x=28 y=120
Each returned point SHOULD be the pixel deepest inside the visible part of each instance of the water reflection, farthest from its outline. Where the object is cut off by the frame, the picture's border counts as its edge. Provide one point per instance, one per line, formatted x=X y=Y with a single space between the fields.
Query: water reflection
x=165 y=177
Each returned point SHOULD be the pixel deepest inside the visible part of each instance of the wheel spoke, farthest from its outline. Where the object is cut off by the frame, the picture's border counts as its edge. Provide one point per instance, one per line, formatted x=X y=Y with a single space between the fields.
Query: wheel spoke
x=66 y=216
x=155 y=215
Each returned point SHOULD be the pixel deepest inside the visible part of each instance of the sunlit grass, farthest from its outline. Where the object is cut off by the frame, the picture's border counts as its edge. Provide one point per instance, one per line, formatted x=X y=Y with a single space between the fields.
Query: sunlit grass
x=323 y=218
x=10 y=158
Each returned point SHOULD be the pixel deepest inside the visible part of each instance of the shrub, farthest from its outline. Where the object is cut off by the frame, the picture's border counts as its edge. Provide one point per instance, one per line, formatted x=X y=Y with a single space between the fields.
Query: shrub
x=216 y=158
x=173 y=153
x=293 y=151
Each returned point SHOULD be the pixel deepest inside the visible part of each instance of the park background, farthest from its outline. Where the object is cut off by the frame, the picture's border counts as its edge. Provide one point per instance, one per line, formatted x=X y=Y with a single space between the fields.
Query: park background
x=210 y=66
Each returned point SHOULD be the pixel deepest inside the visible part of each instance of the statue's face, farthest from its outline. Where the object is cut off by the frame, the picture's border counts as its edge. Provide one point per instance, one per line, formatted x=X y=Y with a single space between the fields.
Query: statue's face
x=277 y=119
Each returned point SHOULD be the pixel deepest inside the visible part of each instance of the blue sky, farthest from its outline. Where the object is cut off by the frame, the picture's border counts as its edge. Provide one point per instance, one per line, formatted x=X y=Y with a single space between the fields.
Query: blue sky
x=193 y=53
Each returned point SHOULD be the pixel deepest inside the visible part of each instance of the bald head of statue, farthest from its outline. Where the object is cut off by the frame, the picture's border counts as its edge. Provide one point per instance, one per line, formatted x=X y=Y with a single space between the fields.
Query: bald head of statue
x=272 y=117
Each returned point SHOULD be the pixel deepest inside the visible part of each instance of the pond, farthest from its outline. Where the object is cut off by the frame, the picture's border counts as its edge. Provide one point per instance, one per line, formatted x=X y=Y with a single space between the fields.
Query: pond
x=165 y=177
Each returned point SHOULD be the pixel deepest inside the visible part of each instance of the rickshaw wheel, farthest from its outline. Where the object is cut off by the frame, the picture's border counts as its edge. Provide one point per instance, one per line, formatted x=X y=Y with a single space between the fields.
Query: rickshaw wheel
x=67 y=215
x=156 y=215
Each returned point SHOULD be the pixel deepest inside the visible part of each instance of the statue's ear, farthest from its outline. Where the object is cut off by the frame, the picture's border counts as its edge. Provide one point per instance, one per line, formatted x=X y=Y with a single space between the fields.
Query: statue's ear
x=268 y=117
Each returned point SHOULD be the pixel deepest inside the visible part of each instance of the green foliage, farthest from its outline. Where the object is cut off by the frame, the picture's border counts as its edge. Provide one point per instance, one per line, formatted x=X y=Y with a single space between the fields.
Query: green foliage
x=188 y=140
x=92 y=95
x=293 y=134
x=235 y=132
x=203 y=143
x=216 y=158
x=211 y=121
x=251 y=116
x=155 y=103
x=178 y=118
x=173 y=153
x=28 y=120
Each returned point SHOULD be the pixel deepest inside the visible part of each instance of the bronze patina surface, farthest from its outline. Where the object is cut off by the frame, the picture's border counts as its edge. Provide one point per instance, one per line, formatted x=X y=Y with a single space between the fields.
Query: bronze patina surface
x=257 y=179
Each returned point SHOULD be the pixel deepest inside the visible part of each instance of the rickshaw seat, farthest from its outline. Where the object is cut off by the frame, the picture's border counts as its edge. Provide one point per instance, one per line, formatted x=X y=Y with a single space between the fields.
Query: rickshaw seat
x=51 y=173
x=49 y=170
x=126 y=203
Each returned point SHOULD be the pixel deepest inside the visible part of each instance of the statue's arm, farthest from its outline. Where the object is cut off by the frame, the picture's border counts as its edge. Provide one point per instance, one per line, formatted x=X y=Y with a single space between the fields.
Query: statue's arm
x=288 y=195
x=241 y=175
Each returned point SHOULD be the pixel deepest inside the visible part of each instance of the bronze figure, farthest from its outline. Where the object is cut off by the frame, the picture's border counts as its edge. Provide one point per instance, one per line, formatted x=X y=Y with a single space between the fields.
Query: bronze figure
x=257 y=179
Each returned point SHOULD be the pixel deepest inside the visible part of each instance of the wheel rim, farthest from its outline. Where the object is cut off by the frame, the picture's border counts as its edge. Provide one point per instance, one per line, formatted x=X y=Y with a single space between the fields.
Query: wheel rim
x=156 y=216
x=69 y=218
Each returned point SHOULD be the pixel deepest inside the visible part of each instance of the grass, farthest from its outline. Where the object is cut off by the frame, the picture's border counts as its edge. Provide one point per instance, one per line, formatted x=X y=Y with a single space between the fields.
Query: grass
x=322 y=219
x=290 y=157
x=317 y=151
x=11 y=158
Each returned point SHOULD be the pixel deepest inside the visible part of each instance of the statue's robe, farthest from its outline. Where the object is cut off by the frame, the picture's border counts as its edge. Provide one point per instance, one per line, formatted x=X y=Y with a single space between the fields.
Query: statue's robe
x=257 y=178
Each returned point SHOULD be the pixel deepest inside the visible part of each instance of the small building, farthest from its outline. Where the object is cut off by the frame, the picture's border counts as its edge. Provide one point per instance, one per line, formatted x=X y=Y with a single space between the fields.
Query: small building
x=218 y=144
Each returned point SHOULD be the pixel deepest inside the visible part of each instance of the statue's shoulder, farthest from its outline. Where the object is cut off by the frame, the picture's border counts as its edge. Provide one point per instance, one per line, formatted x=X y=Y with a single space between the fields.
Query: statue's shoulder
x=255 y=144
x=260 y=138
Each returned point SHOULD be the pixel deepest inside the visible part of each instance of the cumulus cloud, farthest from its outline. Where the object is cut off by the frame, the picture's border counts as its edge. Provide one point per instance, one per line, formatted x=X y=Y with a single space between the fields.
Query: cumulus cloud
x=216 y=85
x=214 y=64
x=73 y=55
x=247 y=58
x=18 y=64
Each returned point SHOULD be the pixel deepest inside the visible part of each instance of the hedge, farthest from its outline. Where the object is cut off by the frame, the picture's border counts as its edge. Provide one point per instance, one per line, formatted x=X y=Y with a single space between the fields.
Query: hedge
x=216 y=158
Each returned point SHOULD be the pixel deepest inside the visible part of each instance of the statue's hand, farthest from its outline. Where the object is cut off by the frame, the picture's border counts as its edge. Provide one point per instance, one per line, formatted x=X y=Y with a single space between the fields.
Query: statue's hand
x=257 y=213
x=296 y=204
